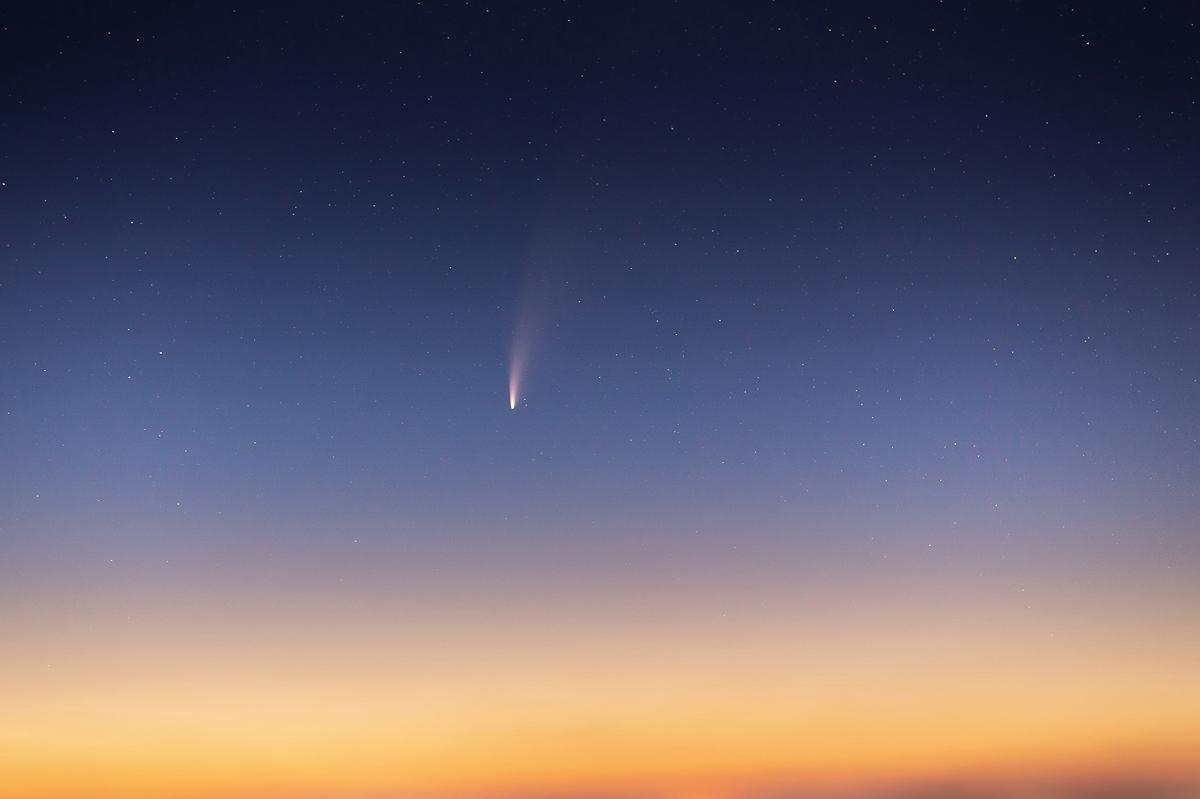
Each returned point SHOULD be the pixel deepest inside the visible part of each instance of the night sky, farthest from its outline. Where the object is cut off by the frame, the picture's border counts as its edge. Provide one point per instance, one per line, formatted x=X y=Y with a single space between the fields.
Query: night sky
x=855 y=357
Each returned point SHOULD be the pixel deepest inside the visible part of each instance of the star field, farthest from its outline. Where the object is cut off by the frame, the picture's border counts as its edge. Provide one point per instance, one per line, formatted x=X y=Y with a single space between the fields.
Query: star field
x=621 y=400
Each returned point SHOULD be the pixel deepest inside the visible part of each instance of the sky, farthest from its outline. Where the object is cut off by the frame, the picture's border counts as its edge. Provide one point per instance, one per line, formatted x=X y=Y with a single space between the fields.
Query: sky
x=600 y=401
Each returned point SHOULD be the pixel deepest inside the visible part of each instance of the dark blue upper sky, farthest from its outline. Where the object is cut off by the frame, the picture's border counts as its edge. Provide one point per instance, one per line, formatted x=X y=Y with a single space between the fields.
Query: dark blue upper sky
x=262 y=267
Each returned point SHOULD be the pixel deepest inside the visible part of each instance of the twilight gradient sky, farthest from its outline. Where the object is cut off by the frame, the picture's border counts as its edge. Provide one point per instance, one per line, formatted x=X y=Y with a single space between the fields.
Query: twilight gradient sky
x=857 y=449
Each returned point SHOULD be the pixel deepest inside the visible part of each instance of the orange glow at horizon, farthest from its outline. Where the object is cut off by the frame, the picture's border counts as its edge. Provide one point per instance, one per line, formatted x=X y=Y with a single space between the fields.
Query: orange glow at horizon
x=496 y=697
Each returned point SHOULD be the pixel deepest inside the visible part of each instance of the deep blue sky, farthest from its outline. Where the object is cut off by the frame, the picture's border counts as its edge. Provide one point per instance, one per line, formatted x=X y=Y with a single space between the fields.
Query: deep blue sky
x=769 y=235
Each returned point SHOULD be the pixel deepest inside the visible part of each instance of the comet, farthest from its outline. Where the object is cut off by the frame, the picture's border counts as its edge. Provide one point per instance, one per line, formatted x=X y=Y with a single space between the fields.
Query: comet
x=528 y=326
x=545 y=277
x=516 y=365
